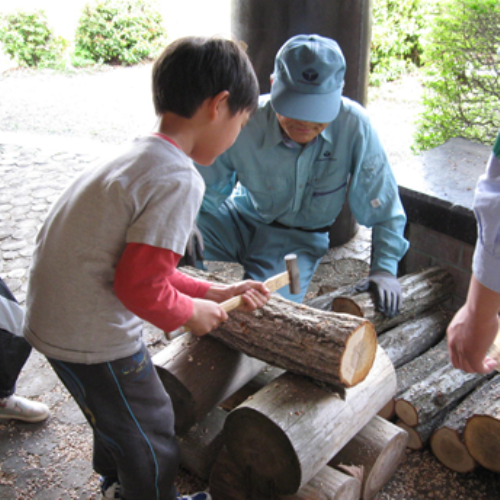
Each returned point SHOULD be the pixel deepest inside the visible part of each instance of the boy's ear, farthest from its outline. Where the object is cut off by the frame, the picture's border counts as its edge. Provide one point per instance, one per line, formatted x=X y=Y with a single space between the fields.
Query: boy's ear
x=216 y=103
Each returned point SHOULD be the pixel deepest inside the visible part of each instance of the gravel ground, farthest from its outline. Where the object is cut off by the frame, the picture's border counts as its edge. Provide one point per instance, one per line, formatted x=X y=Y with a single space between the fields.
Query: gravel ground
x=95 y=111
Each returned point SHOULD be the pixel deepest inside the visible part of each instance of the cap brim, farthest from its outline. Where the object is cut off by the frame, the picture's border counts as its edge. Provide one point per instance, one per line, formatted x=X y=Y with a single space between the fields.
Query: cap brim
x=318 y=108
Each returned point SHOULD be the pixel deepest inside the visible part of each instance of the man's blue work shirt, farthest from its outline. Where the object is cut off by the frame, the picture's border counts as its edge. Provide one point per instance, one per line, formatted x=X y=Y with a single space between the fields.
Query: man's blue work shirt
x=305 y=187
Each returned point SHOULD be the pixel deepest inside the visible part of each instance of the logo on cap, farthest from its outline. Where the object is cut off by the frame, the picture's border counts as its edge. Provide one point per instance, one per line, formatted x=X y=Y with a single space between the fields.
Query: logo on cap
x=310 y=75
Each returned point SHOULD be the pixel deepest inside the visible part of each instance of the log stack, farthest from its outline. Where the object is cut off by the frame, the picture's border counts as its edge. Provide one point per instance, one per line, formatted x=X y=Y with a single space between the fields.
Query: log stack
x=293 y=433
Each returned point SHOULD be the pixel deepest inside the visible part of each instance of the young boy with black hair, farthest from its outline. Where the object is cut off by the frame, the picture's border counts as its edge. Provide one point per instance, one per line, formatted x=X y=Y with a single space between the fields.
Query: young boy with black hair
x=107 y=254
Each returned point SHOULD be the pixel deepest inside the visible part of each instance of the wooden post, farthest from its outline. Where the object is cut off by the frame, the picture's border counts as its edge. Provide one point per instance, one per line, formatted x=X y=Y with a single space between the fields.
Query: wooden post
x=288 y=431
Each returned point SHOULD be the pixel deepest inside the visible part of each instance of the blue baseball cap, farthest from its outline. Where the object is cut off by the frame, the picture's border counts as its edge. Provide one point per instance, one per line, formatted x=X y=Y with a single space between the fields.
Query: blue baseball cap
x=308 y=79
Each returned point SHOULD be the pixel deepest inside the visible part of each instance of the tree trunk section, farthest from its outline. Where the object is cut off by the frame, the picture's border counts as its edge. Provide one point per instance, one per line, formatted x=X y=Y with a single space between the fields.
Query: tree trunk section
x=199 y=373
x=482 y=430
x=201 y=445
x=408 y=340
x=422 y=366
x=228 y=482
x=418 y=436
x=442 y=389
x=379 y=448
x=421 y=291
x=266 y=376
x=288 y=431
x=336 y=349
x=447 y=442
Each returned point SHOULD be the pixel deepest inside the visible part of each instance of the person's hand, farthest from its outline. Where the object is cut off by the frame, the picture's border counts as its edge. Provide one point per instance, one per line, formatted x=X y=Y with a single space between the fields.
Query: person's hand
x=469 y=339
x=388 y=295
x=207 y=315
x=254 y=294
x=194 y=248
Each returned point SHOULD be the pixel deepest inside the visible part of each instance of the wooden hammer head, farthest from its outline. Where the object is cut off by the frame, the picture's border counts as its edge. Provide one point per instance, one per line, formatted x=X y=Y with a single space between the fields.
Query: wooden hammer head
x=292 y=268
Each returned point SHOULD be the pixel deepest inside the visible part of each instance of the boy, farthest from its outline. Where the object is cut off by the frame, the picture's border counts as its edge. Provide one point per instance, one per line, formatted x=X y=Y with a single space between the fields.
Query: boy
x=107 y=254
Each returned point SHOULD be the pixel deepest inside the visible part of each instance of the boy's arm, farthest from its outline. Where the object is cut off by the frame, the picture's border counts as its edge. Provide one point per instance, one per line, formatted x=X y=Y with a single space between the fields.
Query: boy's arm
x=148 y=284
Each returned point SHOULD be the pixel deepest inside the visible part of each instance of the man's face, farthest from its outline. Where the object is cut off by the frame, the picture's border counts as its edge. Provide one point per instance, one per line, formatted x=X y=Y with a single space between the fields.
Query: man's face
x=300 y=131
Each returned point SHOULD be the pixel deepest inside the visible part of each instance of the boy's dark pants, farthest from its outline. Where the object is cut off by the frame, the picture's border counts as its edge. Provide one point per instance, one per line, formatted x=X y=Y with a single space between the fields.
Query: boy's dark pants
x=133 y=422
x=14 y=350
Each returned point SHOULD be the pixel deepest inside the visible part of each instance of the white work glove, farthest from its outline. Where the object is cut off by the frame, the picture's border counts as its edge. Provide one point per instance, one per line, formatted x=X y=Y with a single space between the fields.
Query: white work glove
x=388 y=295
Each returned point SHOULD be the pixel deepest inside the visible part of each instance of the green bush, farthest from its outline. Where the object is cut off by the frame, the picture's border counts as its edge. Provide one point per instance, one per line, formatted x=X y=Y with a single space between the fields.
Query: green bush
x=462 y=86
x=28 y=40
x=118 y=32
x=397 y=32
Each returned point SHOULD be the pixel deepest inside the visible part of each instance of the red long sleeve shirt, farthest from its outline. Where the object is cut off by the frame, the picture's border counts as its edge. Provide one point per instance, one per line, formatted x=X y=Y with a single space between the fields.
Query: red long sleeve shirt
x=148 y=283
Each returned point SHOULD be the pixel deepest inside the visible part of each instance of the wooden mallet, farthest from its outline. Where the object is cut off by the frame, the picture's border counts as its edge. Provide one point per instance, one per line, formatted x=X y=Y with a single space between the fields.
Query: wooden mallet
x=289 y=277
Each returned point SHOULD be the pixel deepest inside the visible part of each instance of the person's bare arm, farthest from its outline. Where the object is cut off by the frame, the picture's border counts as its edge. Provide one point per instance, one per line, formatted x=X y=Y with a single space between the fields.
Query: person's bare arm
x=473 y=329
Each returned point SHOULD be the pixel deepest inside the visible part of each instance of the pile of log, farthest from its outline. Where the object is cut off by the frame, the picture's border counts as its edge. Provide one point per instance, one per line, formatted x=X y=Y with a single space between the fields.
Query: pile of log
x=261 y=413
x=456 y=413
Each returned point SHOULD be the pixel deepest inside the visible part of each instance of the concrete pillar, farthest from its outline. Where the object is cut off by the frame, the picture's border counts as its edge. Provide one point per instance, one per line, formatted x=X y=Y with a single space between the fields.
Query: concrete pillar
x=264 y=25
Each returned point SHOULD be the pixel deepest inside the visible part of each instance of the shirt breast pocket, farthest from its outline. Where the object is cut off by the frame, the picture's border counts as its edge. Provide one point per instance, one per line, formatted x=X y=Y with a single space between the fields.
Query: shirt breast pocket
x=269 y=193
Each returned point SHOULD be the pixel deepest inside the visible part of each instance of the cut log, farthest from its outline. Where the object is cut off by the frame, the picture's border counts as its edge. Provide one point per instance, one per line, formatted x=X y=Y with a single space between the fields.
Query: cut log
x=415 y=371
x=199 y=373
x=408 y=340
x=418 y=436
x=388 y=412
x=482 y=429
x=228 y=482
x=379 y=448
x=266 y=376
x=422 y=366
x=447 y=442
x=289 y=430
x=336 y=349
x=325 y=301
x=201 y=445
x=421 y=291
x=444 y=388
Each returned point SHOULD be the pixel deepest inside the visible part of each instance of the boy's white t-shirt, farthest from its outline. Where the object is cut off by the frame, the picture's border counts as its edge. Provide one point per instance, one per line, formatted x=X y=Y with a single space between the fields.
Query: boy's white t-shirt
x=150 y=194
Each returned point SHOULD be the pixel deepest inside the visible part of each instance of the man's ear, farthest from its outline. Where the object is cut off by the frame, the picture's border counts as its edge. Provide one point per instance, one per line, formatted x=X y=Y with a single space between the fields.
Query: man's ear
x=216 y=103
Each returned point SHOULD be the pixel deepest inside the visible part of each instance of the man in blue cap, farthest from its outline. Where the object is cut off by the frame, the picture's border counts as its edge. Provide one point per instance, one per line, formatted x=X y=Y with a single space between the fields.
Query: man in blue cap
x=279 y=188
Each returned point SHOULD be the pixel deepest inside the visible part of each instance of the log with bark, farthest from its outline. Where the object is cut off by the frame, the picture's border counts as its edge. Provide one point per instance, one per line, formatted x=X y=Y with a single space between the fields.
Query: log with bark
x=289 y=430
x=412 y=338
x=418 y=436
x=421 y=291
x=266 y=376
x=443 y=389
x=447 y=441
x=482 y=429
x=336 y=349
x=415 y=371
x=199 y=373
x=228 y=482
x=378 y=448
x=201 y=445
